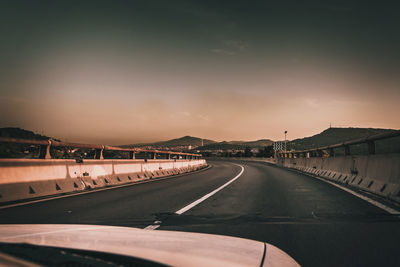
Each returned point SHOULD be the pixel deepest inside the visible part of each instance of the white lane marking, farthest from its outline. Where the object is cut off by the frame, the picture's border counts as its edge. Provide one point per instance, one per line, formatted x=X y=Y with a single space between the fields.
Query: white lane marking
x=369 y=200
x=98 y=190
x=191 y=205
x=152 y=227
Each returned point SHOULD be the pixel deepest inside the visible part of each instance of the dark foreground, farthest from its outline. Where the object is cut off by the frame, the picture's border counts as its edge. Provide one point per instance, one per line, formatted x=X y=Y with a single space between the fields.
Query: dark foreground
x=314 y=222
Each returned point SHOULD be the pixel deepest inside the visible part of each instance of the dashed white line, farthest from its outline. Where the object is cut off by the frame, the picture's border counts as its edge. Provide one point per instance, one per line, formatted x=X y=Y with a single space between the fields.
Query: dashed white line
x=152 y=227
x=194 y=203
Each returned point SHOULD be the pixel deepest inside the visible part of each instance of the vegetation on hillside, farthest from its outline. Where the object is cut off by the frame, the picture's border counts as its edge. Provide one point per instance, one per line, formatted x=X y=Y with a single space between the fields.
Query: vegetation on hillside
x=333 y=136
x=182 y=141
x=233 y=148
x=21 y=133
x=8 y=150
x=236 y=145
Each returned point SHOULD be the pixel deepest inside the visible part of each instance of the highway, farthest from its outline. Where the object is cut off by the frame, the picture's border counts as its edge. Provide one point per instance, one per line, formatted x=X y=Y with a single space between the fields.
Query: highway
x=313 y=221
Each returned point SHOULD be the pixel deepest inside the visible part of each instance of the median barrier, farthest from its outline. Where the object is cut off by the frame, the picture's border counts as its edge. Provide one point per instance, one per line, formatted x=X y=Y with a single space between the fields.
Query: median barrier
x=267 y=160
x=32 y=178
x=377 y=173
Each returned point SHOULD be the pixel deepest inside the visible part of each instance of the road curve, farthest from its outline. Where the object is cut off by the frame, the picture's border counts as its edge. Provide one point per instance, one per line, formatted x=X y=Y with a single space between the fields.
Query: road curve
x=316 y=223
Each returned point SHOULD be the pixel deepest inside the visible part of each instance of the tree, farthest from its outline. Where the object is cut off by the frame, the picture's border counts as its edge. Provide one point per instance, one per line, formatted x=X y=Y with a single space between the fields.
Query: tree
x=268 y=151
x=247 y=152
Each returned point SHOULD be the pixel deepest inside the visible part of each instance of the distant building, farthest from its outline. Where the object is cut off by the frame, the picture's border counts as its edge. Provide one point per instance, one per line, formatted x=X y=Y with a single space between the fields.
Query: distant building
x=255 y=150
x=278 y=146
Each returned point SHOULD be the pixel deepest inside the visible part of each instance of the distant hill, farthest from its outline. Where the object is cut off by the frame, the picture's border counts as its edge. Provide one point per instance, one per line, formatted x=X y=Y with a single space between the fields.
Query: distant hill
x=9 y=150
x=182 y=141
x=207 y=144
x=236 y=145
x=327 y=137
x=333 y=136
x=21 y=133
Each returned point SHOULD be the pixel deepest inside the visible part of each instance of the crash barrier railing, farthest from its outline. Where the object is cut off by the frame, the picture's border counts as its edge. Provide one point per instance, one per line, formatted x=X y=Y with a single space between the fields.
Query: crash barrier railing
x=318 y=152
x=45 y=146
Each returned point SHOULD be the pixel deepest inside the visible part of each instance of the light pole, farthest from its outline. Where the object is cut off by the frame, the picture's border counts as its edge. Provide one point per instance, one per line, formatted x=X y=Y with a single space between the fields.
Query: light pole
x=285 y=141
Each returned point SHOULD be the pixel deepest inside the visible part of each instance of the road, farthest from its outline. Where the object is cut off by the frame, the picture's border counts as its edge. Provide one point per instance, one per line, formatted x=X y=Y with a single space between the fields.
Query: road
x=314 y=222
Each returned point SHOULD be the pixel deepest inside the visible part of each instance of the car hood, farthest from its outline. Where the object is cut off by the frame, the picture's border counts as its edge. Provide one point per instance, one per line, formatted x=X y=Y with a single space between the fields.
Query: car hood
x=166 y=247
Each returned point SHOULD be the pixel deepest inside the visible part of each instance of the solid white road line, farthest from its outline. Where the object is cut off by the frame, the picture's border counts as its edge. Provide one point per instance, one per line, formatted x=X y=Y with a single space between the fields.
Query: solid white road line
x=369 y=200
x=191 y=205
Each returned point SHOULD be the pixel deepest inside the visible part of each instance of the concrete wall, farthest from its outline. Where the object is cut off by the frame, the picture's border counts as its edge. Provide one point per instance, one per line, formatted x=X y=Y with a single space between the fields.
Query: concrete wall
x=378 y=174
x=31 y=178
x=268 y=160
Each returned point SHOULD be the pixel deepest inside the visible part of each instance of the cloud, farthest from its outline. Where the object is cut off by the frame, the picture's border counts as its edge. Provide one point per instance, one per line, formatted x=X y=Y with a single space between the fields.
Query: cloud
x=223 y=51
x=185 y=113
x=237 y=44
x=312 y=102
x=232 y=47
x=203 y=117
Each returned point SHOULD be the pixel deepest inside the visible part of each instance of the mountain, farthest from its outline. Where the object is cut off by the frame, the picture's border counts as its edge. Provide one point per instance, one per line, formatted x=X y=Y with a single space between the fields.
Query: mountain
x=178 y=142
x=333 y=136
x=259 y=143
x=207 y=144
x=11 y=150
x=236 y=145
x=21 y=133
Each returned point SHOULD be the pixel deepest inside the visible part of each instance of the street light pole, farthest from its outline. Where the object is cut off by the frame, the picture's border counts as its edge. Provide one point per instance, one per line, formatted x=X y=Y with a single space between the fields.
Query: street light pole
x=285 y=141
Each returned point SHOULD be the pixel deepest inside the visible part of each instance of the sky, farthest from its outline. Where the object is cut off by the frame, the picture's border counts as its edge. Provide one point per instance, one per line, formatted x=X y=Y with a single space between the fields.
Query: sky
x=123 y=72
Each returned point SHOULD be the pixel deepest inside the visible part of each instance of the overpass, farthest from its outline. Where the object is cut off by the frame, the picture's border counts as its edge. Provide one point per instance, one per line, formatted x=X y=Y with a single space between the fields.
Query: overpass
x=292 y=201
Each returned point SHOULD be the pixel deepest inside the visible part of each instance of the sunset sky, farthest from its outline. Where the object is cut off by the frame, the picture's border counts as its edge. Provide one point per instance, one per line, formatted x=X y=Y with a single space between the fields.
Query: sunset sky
x=120 y=72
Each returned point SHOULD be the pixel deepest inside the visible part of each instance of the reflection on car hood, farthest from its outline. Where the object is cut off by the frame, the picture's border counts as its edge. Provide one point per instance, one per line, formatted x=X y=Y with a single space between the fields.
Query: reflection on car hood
x=167 y=247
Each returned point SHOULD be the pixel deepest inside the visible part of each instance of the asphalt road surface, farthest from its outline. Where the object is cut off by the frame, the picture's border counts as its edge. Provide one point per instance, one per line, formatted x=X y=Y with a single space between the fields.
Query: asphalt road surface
x=314 y=222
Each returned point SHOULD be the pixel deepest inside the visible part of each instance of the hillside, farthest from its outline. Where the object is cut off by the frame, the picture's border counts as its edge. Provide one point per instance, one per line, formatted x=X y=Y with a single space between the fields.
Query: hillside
x=182 y=141
x=332 y=136
x=8 y=150
x=21 y=133
x=236 y=145
x=207 y=144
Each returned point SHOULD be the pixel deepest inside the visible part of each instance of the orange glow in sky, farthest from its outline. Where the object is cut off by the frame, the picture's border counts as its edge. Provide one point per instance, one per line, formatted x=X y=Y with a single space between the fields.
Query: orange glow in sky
x=95 y=79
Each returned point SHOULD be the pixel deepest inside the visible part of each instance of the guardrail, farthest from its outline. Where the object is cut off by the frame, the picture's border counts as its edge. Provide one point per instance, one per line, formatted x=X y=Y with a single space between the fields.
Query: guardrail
x=318 y=152
x=45 y=146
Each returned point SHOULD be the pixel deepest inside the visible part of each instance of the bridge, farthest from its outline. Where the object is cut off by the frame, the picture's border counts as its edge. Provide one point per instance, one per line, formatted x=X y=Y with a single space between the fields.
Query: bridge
x=323 y=209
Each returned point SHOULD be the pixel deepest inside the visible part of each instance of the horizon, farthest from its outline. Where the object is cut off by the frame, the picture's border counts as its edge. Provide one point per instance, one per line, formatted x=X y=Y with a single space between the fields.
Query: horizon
x=198 y=137
x=138 y=72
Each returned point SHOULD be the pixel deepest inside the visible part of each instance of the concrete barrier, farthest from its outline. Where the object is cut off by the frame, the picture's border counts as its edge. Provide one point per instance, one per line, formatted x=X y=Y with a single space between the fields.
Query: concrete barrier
x=31 y=178
x=377 y=173
x=268 y=160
